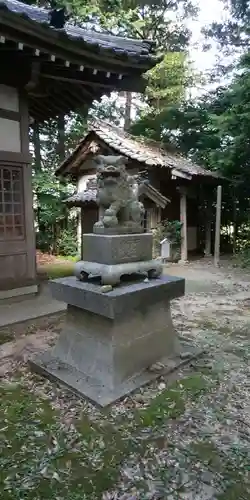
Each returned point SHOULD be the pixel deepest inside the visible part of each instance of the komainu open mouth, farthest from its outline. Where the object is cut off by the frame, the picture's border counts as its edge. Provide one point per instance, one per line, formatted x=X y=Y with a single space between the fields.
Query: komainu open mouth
x=109 y=172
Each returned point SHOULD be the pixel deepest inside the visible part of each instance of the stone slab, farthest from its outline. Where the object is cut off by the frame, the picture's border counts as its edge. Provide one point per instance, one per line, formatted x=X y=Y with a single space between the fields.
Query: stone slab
x=123 y=300
x=30 y=308
x=93 y=390
x=117 y=249
x=25 y=291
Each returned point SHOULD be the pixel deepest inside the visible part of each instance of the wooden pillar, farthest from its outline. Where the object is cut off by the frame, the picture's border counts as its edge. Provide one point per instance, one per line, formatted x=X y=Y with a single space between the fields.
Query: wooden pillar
x=183 y=219
x=208 y=229
x=208 y=235
x=217 y=227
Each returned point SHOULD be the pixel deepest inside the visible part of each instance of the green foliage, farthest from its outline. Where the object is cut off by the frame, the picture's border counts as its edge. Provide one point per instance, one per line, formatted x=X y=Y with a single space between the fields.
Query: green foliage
x=50 y=193
x=167 y=80
x=231 y=35
x=170 y=229
x=213 y=131
x=52 y=215
x=110 y=109
x=143 y=20
x=242 y=258
x=165 y=24
x=67 y=243
x=49 y=209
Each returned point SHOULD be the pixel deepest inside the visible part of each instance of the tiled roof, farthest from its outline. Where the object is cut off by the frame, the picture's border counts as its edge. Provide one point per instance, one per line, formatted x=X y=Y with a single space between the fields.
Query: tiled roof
x=85 y=196
x=79 y=199
x=88 y=195
x=146 y=152
x=135 y=148
x=118 y=45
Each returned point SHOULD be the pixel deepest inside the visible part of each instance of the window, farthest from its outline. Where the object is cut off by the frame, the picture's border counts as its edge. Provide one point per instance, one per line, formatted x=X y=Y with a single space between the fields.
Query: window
x=11 y=203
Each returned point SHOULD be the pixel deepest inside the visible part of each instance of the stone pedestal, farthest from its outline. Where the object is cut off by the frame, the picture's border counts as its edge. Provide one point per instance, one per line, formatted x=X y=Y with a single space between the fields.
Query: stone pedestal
x=110 y=340
x=111 y=256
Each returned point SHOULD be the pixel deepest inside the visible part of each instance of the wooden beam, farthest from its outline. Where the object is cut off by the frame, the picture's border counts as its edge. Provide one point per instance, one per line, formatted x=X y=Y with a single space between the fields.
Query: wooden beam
x=75 y=102
x=217 y=227
x=49 y=108
x=77 y=97
x=182 y=175
x=128 y=84
x=81 y=93
x=36 y=110
x=183 y=219
x=35 y=75
x=64 y=97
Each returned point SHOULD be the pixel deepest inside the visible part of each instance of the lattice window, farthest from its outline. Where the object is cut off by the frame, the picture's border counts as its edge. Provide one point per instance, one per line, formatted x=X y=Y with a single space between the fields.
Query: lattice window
x=11 y=203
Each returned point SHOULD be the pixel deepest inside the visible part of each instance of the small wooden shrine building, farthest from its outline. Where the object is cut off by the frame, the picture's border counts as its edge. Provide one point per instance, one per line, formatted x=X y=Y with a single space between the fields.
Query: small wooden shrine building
x=48 y=68
x=176 y=188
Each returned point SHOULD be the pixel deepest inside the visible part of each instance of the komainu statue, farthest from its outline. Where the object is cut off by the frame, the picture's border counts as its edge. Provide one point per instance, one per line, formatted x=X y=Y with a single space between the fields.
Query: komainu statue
x=119 y=207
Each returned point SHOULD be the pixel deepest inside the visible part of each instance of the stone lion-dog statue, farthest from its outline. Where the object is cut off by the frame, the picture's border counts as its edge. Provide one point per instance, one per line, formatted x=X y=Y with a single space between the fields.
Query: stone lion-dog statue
x=117 y=197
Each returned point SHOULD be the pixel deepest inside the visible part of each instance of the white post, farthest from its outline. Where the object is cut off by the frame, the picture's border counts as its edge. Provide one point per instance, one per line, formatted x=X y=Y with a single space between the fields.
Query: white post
x=217 y=227
x=183 y=219
x=79 y=231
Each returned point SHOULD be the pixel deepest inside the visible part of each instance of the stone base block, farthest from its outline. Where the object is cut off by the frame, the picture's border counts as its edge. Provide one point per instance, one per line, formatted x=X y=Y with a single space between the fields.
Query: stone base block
x=109 y=340
x=111 y=274
x=117 y=249
x=90 y=388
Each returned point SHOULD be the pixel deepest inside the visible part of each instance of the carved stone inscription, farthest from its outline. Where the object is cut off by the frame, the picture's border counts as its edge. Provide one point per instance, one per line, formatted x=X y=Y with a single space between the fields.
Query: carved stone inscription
x=117 y=249
x=131 y=250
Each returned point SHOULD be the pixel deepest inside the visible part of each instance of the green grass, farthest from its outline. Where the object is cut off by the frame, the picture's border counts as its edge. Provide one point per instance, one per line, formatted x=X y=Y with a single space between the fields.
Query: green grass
x=57 y=270
x=5 y=337
x=230 y=468
x=170 y=404
x=40 y=459
x=70 y=258
x=84 y=463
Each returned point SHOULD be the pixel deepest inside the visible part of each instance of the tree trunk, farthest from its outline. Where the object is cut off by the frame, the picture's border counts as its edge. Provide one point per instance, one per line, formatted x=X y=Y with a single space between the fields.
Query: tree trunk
x=61 y=138
x=61 y=154
x=37 y=147
x=38 y=164
x=128 y=106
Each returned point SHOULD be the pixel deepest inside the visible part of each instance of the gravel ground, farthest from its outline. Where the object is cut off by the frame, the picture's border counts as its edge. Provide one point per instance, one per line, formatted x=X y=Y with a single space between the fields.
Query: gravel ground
x=185 y=438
